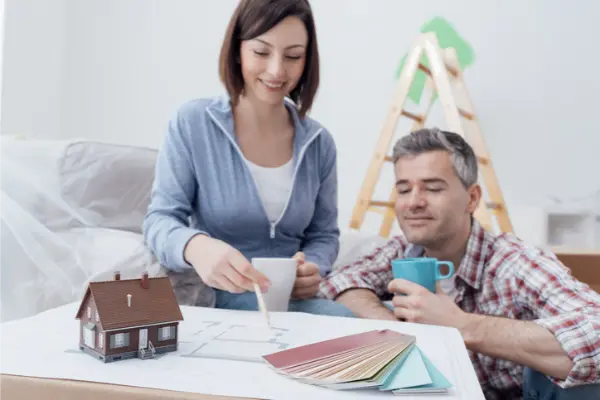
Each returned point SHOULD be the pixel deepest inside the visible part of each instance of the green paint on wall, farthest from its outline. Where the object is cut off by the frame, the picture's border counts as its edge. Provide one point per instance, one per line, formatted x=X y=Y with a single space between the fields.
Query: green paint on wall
x=447 y=37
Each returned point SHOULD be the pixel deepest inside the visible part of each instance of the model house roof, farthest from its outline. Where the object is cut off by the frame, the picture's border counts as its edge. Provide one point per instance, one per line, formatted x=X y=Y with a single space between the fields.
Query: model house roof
x=132 y=302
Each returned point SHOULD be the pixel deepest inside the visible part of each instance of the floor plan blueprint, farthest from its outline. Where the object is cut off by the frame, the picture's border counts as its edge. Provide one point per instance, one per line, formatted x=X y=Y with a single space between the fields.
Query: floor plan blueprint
x=216 y=339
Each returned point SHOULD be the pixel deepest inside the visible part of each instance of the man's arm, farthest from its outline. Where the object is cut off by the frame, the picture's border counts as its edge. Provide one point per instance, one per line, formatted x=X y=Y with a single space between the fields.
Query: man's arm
x=364 y=303
x=361 y=284
x=563 y=341
x=523 y=342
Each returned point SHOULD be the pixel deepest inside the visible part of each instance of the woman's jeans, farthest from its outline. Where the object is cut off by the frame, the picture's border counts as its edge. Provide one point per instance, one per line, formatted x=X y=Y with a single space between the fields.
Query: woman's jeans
x=247 y=302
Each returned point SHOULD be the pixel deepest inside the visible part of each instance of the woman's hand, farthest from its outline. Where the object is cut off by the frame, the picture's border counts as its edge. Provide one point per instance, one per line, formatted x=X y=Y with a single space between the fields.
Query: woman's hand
x=221 y=266
x=308 y=278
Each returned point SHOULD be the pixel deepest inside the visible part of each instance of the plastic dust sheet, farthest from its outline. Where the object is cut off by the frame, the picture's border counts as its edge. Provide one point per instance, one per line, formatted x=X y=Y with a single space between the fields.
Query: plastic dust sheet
x=72 y=212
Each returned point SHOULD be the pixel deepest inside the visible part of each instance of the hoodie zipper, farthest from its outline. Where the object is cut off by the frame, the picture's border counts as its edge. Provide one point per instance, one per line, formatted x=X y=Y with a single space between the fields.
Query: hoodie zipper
x=272 y=224
x=300 y=156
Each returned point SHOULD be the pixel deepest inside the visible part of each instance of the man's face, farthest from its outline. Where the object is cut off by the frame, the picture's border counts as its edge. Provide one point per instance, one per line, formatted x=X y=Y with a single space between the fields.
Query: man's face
x=432 y=204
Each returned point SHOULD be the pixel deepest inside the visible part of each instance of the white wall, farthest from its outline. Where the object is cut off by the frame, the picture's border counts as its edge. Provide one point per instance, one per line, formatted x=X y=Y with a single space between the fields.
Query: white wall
x=33 y=67
x=119 y=68
x=131 y=63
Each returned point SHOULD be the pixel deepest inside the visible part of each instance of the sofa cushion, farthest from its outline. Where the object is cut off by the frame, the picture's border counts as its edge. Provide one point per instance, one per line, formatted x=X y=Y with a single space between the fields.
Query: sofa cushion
x=70 y=183
x=107 y=185
x=30 y=178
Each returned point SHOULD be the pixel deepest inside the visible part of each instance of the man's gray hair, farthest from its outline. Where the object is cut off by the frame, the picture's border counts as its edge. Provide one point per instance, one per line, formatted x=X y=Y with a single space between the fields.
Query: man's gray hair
x=432 y=139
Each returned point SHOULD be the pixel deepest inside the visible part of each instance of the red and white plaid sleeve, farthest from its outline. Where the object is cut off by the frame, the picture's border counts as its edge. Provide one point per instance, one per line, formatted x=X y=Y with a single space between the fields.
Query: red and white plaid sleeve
x=565 y=306
x=372 y=271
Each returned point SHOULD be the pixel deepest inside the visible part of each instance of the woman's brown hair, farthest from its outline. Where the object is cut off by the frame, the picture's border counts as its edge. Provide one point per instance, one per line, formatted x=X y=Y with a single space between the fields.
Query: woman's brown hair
x=252 y=18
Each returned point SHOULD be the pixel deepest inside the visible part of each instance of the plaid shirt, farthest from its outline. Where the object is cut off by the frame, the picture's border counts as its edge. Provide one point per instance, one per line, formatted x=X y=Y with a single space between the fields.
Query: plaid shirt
x=501 y=276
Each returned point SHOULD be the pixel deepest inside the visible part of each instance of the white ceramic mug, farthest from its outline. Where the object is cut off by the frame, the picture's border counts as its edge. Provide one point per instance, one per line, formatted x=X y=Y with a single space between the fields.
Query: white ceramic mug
x=282 y=274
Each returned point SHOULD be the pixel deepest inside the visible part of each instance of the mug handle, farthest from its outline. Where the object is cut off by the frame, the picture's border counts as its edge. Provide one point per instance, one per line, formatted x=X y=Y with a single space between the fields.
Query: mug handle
x=450 y=270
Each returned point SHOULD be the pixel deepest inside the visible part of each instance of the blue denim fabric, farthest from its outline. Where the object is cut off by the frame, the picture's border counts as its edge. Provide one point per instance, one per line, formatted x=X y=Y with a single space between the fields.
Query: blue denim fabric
x=538 y=387
x=247 y=301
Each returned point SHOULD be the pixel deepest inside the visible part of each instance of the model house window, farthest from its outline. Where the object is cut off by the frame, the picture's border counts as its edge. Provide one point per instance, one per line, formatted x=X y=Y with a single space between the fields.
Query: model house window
x=100 y=340
x=166 y=333
x=89 y=312
x=119 y=340
x=97 y=317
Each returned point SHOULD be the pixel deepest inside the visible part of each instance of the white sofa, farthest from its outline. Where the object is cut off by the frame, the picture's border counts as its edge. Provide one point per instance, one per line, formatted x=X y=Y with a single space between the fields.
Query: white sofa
x=72 y=212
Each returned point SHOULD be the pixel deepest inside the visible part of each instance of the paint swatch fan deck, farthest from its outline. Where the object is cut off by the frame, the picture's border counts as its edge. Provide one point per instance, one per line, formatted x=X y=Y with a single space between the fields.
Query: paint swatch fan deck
x=381 y=359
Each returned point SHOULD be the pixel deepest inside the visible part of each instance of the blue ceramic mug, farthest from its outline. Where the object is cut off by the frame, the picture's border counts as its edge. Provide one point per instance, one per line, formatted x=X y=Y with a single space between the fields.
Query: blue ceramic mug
x=423 y=271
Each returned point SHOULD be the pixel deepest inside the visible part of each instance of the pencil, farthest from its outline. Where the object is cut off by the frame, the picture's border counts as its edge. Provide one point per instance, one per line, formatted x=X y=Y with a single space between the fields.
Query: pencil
x=261 y=303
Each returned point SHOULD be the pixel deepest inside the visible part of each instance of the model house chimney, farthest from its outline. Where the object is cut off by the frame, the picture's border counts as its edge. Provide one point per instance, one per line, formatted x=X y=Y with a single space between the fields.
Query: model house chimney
x=145 y=280
x=128 y=300
x=117 y=276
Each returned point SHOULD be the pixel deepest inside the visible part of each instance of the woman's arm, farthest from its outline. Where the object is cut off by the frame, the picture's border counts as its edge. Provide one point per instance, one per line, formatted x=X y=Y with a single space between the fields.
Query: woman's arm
x=166 y=224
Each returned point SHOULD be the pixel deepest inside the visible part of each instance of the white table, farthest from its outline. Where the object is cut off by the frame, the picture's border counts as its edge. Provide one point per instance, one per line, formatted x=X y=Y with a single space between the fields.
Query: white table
x=46 y=346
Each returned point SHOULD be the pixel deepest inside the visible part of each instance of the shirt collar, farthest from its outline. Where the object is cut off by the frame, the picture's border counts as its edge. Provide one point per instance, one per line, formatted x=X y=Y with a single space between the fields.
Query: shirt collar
x=479 y=250
x=477 y=253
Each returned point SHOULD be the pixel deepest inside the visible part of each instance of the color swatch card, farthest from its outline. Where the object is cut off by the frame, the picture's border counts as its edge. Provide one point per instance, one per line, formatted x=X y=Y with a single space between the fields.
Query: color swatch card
x=417 y=374
x=381 y=359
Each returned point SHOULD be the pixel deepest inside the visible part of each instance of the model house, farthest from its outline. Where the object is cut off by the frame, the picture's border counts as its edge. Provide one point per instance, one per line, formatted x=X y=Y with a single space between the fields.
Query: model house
x=129 y=318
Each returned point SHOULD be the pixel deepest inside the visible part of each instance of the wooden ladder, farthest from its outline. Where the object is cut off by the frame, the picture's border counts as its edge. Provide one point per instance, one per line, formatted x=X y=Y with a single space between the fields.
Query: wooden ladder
x=443 y=74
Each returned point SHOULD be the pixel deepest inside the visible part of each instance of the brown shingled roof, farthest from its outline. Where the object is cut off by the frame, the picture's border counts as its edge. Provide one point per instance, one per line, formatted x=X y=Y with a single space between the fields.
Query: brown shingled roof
x=154 y=305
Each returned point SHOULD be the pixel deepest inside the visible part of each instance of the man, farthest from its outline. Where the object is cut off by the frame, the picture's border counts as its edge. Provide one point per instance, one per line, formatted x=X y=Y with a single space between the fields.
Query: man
x=531 y=329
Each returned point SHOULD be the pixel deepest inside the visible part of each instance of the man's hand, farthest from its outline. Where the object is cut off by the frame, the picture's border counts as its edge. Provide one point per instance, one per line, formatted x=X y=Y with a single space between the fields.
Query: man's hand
x=308 y=278
x=414 y=303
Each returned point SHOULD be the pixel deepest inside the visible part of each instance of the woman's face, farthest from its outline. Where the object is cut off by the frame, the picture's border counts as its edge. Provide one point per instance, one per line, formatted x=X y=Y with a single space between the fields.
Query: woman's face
x=273 y=62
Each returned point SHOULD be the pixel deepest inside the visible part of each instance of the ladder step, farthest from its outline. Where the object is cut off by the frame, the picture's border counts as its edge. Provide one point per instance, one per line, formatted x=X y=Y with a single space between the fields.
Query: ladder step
x=381 y=211
x=451 y=70
x=483 y=160
x=425 y=69
x=376 y=203
x=494 y=206
x=414 y=117
x=389 y=159
x=466 y=114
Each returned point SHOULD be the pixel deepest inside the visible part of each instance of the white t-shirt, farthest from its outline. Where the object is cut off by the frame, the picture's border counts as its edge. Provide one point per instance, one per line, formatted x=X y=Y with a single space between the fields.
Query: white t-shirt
x=274 y=186
x=449 y=286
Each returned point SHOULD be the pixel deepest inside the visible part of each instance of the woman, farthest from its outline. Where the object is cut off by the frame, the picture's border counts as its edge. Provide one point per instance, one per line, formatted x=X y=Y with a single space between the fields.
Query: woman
x=249 y=174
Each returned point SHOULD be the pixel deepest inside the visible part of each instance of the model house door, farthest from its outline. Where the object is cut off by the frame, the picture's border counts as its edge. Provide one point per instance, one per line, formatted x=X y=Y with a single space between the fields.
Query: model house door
x=143 y=338
x=89 y=337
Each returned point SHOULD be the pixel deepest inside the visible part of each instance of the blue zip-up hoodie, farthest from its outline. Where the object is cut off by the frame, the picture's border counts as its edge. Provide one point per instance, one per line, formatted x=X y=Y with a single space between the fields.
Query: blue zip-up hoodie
x=203 y=185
